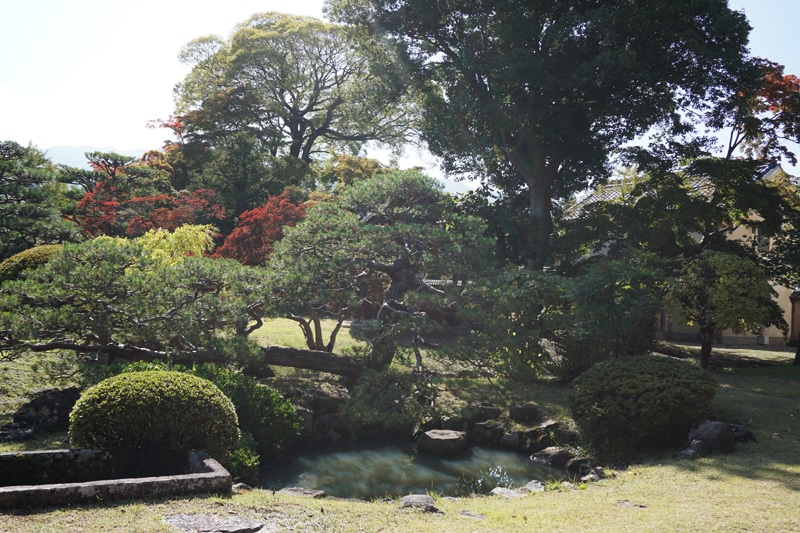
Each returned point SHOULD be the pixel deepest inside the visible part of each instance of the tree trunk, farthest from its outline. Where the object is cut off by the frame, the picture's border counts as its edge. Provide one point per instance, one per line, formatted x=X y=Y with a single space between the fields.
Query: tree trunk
x=257 y=367
x=706 y=341
x=529 y=159
x=308 y=359
x=797 y=353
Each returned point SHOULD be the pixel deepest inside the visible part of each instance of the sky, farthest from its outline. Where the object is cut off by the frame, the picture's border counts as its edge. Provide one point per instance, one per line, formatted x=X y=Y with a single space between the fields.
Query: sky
x=96 y=72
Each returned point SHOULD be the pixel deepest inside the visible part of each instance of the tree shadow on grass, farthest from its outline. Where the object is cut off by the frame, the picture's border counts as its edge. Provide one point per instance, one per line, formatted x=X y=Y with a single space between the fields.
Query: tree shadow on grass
x=765 y=399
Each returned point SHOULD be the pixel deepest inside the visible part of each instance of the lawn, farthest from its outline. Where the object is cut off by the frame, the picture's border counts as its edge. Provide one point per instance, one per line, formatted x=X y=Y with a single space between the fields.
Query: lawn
x=757 y=488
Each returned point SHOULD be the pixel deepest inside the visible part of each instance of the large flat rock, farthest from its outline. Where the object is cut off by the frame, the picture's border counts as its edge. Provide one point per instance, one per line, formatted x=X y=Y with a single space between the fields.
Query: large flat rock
x=442 y=442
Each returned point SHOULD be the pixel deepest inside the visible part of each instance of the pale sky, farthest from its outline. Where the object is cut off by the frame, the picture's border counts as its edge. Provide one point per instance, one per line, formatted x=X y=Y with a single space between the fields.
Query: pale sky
x=95 y=72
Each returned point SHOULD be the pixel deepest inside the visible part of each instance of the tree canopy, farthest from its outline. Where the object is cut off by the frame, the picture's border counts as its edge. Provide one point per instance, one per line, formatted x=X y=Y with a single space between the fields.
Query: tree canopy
x=533 y=96
x=298 y=85
x=135 y=299
x=367 y=253
x=29 y=201
x=719 y=291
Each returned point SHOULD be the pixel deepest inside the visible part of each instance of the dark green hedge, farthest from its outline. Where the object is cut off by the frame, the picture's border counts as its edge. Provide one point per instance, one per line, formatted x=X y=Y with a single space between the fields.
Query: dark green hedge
x=634 y=404
x=30 y=258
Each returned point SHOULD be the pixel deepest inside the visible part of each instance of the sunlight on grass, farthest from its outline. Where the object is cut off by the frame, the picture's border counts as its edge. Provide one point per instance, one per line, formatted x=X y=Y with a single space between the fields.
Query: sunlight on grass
x=285 y=332
x=755 y=488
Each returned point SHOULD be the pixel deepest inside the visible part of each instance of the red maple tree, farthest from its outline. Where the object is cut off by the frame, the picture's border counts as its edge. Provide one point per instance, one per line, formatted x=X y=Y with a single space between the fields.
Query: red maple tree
x=253 y=239
x=105 y=211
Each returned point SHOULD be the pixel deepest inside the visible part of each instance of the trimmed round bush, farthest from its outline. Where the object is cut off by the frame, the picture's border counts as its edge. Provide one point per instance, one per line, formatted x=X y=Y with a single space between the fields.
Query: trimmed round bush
x=269 y=418
x=155 y=411
x=628 y=405
x=26 y=259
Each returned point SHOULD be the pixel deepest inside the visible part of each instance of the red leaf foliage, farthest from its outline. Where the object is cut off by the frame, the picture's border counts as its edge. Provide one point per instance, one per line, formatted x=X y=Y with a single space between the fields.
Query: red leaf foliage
x=253 y=239
x=105 y=211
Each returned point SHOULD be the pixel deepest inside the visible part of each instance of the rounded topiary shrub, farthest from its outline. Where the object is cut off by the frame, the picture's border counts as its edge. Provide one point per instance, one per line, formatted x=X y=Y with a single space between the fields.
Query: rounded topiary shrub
x=269 y=418
x=26 y=259
x=155 y=412
x=632 y=404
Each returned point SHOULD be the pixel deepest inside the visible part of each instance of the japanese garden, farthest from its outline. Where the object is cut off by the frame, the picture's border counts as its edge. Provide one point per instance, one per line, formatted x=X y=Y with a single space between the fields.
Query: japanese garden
x=600 y=335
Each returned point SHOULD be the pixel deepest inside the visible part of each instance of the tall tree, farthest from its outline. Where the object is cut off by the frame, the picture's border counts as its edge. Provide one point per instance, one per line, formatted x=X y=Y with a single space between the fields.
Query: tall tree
x=29 y=201
x=130 y=196
x=533 y=96
x=297 y=84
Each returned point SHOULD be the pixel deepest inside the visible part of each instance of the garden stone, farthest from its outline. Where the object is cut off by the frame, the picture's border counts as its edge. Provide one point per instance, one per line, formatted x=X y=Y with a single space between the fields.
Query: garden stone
x=305 y=493
x=524 y=413
x=711 y=437
x=578 y=465
x=548 y=433
x=214 y=523
x=742 y=434
x=510 y=441
x=534 y=486
x=49 y=409
x=457 y=423
x=416 y=500
x=553 y=456
x=472 y=514
x=506 y=493
x=483 y=411
x=487 y=434
x=419 y=501
x=442 y=442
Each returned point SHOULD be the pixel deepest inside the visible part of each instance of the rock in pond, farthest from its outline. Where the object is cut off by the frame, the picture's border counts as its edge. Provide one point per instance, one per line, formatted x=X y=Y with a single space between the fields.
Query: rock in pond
x=442 y=442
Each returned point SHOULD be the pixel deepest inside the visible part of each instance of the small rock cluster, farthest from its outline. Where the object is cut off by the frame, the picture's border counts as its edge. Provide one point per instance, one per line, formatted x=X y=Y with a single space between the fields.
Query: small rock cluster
x=714 y=436
x=522 y=430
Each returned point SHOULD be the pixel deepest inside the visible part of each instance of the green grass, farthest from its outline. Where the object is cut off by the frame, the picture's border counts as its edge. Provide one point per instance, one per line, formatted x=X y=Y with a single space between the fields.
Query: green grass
x=285 y=332
x=757 y=488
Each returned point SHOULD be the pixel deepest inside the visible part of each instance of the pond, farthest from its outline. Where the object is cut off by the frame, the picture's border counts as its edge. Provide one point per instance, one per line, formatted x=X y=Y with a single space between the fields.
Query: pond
x=397 y=470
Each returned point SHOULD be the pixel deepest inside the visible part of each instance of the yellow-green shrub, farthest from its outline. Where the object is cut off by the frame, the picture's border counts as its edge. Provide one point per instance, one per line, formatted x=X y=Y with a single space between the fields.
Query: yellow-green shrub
x=30 y=258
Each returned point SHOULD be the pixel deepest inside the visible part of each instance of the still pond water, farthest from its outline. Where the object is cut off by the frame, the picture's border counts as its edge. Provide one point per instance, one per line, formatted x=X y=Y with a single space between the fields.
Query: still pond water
x=397 y=470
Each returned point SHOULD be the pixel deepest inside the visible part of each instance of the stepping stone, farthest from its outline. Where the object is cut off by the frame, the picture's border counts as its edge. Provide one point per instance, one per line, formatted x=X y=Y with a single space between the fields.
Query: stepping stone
x=214 y=523
x=305 y=493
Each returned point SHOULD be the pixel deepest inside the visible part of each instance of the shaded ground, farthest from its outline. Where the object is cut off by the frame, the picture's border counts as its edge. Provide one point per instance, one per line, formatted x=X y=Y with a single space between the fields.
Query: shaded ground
x=733 y=356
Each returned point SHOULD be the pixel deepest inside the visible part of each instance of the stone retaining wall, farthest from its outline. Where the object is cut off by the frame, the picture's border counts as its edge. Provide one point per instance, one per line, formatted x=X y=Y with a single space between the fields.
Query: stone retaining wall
x=205 y=476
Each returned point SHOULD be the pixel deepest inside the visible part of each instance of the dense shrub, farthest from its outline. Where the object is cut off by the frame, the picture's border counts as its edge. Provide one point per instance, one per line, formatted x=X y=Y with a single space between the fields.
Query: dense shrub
x=388 y=404
x=155 y=410
x=263 y=413
x=269 y=418
x=244 y=462
x=607 y=310
x=633 y=404
x=26 y=259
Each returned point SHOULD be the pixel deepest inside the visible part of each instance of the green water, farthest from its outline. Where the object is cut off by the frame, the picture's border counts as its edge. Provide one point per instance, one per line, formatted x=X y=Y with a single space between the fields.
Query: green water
x=397 y=470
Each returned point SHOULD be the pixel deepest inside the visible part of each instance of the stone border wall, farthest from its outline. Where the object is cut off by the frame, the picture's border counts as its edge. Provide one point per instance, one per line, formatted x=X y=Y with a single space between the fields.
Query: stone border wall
x=206 y=476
